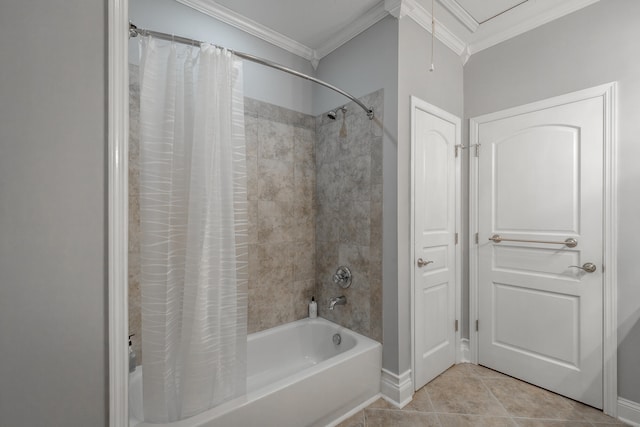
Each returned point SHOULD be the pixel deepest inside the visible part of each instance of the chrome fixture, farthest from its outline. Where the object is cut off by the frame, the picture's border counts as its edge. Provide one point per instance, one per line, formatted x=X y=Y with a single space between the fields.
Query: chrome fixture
x=337 y=339
x=333 y=115
x=135 y=31
x=570 y=242
x=341 y=300
x=342 y=277
x=588 y=267
x=423 y=263
x=343 y=128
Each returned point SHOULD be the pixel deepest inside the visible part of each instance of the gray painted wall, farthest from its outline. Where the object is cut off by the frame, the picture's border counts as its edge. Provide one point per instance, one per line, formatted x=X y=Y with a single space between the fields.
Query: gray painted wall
x=363 y=65
x=596 y=45
x=53 y=321
x=260 y=82
x=442 y=88
x=53 y=342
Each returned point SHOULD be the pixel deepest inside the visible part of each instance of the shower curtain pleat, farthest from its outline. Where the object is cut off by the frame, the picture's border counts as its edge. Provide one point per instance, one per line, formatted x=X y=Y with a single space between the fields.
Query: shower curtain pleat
x=193 y=219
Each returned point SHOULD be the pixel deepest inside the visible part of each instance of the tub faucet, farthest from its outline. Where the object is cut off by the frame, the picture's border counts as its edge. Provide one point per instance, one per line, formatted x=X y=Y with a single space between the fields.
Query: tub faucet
x=341 y=300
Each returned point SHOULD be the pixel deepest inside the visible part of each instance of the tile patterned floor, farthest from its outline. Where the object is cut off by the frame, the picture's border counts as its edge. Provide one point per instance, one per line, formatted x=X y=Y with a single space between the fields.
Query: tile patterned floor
x=470 y=395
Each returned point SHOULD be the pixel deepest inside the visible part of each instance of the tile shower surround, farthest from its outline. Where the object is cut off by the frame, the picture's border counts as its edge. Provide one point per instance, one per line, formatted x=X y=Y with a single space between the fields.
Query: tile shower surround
x=349 y=215
x=135 y=313
x=309 y=192
x=281 y=187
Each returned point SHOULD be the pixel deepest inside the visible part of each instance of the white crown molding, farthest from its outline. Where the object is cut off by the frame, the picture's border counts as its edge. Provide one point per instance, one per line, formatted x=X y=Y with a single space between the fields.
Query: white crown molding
x=315 y=62
x=399 y=8
x=563 y=8
x=461 y=14
x=228 y=16
x=485 y=36
x=247 y=25
x=396 y=389
x=464 y=56
x=423 y=18
x=372 y=16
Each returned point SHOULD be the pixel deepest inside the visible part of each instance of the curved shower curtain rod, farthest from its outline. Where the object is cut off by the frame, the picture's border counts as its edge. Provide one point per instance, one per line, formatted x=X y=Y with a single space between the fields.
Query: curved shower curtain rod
x=135 y=31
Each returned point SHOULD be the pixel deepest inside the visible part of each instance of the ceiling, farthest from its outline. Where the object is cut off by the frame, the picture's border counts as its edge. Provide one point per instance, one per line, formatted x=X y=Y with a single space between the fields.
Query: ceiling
x=309 y=22
x=313 y=29
x=486 y=10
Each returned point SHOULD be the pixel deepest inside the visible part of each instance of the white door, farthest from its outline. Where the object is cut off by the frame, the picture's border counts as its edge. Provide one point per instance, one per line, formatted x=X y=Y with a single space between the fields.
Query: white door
x=540 y=307
x=435 y=135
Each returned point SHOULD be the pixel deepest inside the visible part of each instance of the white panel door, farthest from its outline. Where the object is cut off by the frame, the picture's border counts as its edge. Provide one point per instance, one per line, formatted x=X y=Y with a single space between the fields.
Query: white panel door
x=540 y=182
x=434 y=140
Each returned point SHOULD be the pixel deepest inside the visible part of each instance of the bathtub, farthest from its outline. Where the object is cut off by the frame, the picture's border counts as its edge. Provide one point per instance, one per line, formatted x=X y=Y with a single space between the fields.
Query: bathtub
x=296 y=376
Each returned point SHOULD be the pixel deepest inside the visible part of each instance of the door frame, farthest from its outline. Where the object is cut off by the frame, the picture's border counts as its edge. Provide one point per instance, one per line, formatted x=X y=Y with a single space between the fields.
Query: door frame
x=419 y=104
x=117 y=200
x=610 y=232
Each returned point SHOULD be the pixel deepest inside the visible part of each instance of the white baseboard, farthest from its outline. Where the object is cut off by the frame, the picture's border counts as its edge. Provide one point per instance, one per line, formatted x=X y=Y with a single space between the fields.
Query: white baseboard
x=629 y=412
x=396 y=389
x=353 y=411
x=464 y=355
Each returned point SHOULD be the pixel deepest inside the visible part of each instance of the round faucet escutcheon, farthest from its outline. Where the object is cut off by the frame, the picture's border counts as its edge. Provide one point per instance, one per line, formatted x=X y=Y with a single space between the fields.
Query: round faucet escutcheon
x=342 y=277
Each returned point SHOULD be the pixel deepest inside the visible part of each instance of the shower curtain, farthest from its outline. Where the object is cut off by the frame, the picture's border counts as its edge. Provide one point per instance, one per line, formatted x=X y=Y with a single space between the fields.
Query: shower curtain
x=193 y=220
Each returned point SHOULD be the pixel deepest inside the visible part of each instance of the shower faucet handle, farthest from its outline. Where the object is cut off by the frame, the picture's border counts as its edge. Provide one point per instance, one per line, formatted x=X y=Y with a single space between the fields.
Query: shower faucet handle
x=342 y=277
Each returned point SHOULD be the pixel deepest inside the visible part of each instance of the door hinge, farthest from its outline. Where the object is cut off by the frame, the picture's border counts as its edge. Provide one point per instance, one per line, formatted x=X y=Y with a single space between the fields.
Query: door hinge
x=456 y=238
x=477 y=149
x=477 y=238
x=461 y=147
x=477 y=325
x=456 y=325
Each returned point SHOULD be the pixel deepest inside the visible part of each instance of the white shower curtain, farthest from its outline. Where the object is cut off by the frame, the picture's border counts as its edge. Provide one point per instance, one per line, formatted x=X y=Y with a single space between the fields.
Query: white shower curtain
x=193 y=220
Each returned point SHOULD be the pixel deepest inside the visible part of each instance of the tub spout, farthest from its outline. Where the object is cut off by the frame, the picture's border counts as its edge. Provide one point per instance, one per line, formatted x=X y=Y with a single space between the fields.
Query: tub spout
x=341 y=300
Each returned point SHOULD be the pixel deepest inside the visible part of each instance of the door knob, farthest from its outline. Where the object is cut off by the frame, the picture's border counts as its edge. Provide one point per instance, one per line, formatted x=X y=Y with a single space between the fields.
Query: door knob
x=589 y=267
x=422 y=263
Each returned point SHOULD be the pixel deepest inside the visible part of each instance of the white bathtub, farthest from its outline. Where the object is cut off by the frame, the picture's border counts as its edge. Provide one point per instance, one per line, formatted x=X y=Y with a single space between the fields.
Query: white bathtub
x=296 y=377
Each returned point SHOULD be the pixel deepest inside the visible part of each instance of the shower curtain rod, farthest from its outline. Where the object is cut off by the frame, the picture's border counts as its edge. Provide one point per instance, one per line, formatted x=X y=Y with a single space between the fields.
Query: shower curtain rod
x=135 y=31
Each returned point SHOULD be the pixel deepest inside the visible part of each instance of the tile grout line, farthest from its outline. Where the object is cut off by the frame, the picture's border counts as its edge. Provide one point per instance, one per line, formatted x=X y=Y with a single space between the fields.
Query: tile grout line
x=559 y=420
x=555 y=420
x=514 y=419
x=565 y=420
x=438 y=419
x=484 y=380
x=431 y=402
x=509 y=415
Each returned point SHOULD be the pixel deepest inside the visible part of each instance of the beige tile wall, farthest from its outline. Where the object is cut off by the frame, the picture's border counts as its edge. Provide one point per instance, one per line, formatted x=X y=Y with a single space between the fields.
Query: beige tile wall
x=349 y=216
x=135 y=314
x=281 y=192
